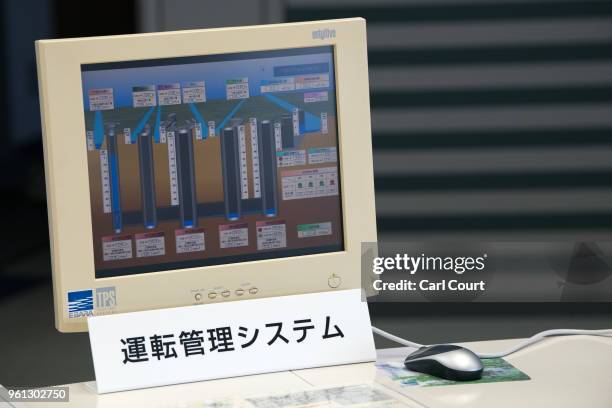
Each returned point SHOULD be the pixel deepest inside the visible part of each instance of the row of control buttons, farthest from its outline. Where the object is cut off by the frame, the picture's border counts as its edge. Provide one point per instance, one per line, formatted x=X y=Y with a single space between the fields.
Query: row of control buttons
x=333 y=281
x=227 y=293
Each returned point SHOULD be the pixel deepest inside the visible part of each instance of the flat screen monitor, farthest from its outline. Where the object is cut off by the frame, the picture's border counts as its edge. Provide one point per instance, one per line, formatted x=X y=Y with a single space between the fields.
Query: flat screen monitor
x=205 y=166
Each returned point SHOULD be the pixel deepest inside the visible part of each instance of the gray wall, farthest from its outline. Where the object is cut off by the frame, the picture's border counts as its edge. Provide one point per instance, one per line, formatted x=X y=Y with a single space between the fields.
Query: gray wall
x=490 y=118
x=21 y=114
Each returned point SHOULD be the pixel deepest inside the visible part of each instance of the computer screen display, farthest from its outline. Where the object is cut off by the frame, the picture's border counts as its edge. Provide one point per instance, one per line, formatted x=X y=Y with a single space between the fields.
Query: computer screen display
x=209 y=160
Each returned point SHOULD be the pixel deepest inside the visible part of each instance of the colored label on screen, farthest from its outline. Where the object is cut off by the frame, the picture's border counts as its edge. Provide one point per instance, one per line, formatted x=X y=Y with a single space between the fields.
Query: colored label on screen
x=314 y=230
x=190 y=240
x=271 y=234
x=234 y=235
x=150 y=244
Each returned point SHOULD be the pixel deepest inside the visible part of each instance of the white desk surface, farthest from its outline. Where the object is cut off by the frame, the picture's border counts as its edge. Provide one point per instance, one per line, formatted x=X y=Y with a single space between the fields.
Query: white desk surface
x=568 y=372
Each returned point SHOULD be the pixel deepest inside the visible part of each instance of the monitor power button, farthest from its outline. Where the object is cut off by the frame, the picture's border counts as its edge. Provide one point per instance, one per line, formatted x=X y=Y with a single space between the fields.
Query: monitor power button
x=334 y=281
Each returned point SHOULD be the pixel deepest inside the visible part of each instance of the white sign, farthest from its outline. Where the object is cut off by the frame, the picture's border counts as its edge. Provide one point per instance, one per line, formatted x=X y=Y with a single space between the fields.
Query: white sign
x=144 y=96
x=234 y=235
x=318 y=155
x=255 y=158
x=203 y=342
x=116 y=247
x=312 y=81
x=90 y=140
x=293 y=157
x=189 y=240
x=172 y=168
x=244 y=179
x=309 y=183
x=314 y=230
x=296 y=121
x=101 y=99
x=198 y=130
x=150 y=244
x=310 y=97
x=324 y=126
x=271 y=234
x=169 y=94
x=106 y=187
x=127 y=136
x=237 y=88
x=277 y=136
x=194 y=92
x=277 y=85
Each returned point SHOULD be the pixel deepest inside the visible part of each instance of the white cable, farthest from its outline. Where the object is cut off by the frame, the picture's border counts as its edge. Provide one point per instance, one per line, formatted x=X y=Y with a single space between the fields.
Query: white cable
x=547 y=333
x=396 y=339
x=533 y=339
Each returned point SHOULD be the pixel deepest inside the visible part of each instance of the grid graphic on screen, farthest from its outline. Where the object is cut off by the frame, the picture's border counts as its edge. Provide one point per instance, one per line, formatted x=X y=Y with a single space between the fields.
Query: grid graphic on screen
x=198 y=161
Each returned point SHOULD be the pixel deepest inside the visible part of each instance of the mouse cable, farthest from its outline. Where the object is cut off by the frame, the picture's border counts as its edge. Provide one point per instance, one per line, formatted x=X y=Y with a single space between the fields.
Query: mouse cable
x=533 y=339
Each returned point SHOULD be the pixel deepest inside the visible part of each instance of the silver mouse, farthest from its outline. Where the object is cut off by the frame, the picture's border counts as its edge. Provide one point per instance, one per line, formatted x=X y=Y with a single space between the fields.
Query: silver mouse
x=446 y=361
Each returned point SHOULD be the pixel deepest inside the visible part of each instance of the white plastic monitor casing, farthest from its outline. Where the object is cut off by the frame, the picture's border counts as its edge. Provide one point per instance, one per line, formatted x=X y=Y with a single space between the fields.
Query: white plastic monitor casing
x=59 y=74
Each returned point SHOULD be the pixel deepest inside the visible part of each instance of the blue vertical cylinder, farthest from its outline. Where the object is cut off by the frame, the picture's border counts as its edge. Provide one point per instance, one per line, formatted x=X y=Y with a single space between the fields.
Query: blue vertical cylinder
x=287 y=135
x=231 y=173
x=147 y=180
x=302 y=121
x=267 y=168
x=113 y=167
x=186 y=179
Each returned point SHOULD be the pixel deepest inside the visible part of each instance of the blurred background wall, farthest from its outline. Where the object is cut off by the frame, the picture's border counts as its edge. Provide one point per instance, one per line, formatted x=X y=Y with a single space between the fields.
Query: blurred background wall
x=492 y=119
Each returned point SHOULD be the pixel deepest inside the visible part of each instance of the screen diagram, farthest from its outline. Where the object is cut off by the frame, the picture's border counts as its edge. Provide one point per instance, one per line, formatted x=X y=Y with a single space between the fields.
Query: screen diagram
x=209 y=160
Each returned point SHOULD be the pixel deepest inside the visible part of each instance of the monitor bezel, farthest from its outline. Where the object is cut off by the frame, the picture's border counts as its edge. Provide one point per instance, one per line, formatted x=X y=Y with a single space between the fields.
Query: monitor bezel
x=59 y=71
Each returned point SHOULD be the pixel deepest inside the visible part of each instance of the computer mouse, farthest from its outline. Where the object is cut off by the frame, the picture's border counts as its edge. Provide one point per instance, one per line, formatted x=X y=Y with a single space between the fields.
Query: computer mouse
x=446 y=361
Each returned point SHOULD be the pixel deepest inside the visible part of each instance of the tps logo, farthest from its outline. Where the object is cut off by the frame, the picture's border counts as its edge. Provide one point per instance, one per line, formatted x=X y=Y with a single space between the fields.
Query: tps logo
x=106 y=298
x=323 y=34
x=80 y=303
